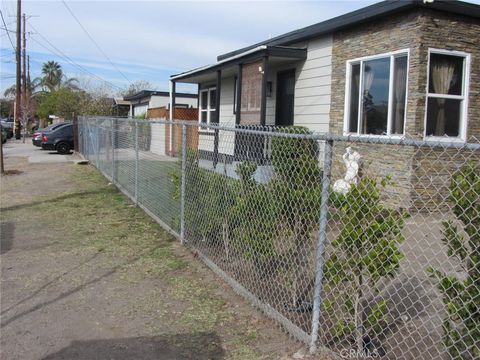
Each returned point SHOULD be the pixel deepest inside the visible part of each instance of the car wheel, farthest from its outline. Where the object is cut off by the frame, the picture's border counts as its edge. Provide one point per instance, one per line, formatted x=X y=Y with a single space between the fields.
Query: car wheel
x=63 y=148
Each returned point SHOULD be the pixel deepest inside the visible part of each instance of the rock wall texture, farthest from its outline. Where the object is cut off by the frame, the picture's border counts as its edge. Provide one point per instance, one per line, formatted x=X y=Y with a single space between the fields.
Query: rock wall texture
x=421 y=175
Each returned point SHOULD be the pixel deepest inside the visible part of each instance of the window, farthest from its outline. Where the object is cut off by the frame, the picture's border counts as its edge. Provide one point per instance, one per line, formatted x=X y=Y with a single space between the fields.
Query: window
x=446 y=94
x=376 y=94
x=251 y=88
x=208 y=107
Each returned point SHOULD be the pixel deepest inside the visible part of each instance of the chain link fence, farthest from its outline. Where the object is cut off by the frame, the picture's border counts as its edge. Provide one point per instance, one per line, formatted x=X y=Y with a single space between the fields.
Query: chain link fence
x=362 y=247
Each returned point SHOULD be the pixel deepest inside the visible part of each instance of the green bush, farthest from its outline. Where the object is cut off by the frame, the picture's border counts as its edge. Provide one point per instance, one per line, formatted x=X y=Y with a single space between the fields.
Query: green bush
x=461 y=295
x=297 y=180
x=209 y=198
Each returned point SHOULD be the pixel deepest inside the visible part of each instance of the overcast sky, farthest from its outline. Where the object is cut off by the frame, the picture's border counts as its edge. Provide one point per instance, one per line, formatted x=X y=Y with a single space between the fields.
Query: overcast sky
x=150 y=40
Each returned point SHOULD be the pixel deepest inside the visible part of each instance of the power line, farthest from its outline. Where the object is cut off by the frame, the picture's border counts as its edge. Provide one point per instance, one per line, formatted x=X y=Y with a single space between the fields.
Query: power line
x=79 y=67
x=8 y=31
x=61 y=54
x=91 y=38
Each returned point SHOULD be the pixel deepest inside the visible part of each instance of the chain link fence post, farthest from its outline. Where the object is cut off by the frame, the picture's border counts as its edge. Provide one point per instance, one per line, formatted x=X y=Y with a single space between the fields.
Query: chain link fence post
x=322 y=236
x=136 y=162
x=182 y=190
x=112 y=129
x=96 y=143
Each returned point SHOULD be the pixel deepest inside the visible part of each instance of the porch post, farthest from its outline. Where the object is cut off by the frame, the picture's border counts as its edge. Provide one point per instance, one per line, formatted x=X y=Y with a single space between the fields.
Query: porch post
x=263 y=104
x=238 y=95
x=198 y=97
x=173 y=92
x=217 y=117
x=173 y=100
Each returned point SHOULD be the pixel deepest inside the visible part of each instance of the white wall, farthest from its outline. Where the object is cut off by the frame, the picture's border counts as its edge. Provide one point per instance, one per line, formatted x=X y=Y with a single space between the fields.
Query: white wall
x=140 y=109
x=159 y=101
x=157 y=143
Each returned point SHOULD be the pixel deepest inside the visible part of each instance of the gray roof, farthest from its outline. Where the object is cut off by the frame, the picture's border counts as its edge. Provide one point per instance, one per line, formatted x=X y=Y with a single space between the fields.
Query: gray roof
x=360 y=16
x=146 y=93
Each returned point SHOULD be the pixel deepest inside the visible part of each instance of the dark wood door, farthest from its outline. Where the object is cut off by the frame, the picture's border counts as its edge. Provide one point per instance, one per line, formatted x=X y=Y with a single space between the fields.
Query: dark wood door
x=285 y=98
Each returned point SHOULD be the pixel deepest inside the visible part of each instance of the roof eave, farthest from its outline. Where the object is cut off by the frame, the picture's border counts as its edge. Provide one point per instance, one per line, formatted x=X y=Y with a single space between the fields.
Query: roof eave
x=248 y=55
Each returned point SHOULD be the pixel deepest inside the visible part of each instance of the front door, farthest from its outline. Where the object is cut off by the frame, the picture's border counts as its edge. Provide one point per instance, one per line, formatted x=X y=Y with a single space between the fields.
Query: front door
x=285 y=98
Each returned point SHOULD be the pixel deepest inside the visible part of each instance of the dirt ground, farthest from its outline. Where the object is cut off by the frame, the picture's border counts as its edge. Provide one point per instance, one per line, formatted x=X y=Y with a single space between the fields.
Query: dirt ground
x=87 y=275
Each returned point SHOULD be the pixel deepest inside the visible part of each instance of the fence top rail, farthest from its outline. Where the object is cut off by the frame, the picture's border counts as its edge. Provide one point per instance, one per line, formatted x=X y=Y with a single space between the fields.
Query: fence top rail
x=275 y=131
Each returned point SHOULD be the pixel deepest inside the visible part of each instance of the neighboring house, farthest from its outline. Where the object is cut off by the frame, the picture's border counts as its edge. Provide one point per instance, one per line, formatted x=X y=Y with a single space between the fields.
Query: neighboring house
x=121 y=107
x=395 y=68
x=147 y=99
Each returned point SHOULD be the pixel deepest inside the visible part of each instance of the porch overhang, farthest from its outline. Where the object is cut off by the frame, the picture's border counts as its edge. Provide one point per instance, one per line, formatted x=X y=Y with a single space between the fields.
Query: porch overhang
x=273 y=53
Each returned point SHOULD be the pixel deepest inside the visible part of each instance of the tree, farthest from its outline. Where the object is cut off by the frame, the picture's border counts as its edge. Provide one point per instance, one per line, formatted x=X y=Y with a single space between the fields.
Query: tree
x=52 y=75
x=137 y=86
x=62 y=103
x=32 y=87
x=6 y=108
x=365 y=252
x=461 y=294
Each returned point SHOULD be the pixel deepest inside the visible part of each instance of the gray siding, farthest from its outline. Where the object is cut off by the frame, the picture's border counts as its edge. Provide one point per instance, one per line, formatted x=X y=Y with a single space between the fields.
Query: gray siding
x=312 y=86
x=312 y=94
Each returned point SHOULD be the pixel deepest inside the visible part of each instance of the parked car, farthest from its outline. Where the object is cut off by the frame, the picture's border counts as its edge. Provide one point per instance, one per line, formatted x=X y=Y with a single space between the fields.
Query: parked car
x=59 y=139
x=37 y=135
x=4 y=135
x=37 y=138
x=7 y=124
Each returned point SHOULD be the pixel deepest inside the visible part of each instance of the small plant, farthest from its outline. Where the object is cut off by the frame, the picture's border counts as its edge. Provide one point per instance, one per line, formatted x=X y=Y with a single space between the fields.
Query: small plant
x=461 y=295
x=256 y=216
x=365 y=252
x=208 y=201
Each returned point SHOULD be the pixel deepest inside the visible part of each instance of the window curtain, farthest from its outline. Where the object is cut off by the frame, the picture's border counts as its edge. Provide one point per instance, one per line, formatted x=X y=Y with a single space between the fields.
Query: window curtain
x=251 y=94
x=442 y=75
x=400 y=88
x=368 y=76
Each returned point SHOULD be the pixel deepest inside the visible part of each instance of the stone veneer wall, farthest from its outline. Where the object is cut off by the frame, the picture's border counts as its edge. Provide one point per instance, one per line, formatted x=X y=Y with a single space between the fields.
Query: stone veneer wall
x=411 y=168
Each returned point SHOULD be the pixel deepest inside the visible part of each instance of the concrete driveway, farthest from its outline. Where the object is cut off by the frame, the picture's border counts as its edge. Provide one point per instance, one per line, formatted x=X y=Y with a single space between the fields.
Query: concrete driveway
x=35 y=155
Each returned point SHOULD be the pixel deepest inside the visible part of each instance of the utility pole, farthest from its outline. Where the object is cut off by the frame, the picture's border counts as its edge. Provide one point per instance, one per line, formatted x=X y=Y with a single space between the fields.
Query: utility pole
x=2 y=167
x=18 y=85
x=29 y=83
x=24 y=81
x=28 y=69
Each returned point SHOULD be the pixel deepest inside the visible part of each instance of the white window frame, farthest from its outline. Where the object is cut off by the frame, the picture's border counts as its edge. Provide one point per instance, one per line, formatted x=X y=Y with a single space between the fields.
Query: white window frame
x=462 y=131
x=209 y=109
x=346 y=111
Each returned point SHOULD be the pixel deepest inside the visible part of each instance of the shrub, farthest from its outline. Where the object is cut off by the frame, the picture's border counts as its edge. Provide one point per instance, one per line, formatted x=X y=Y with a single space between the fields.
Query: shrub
x=365 y=252
x=461 y=295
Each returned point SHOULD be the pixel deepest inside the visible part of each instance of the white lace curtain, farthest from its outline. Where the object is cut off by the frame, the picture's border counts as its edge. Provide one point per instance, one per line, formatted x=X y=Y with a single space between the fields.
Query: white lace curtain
x=442 y=75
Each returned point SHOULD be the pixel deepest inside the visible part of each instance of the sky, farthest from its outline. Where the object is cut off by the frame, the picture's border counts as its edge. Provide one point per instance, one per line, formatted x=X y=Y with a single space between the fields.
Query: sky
x=114 y=43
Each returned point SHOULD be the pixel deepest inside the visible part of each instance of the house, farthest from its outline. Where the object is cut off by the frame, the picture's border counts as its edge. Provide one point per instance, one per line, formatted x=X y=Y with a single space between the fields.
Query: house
x=417 y=63
x=121 y=107
x=148 y=99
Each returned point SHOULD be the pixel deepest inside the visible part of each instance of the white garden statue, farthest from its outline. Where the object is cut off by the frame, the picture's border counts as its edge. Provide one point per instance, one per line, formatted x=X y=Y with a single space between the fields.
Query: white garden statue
x=351 y=160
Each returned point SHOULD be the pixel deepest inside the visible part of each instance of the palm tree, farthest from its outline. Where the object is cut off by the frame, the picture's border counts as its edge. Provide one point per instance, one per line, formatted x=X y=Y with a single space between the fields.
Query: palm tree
x=53 y=79
x=52 y=75
x=69 y=83
x=32 y=86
